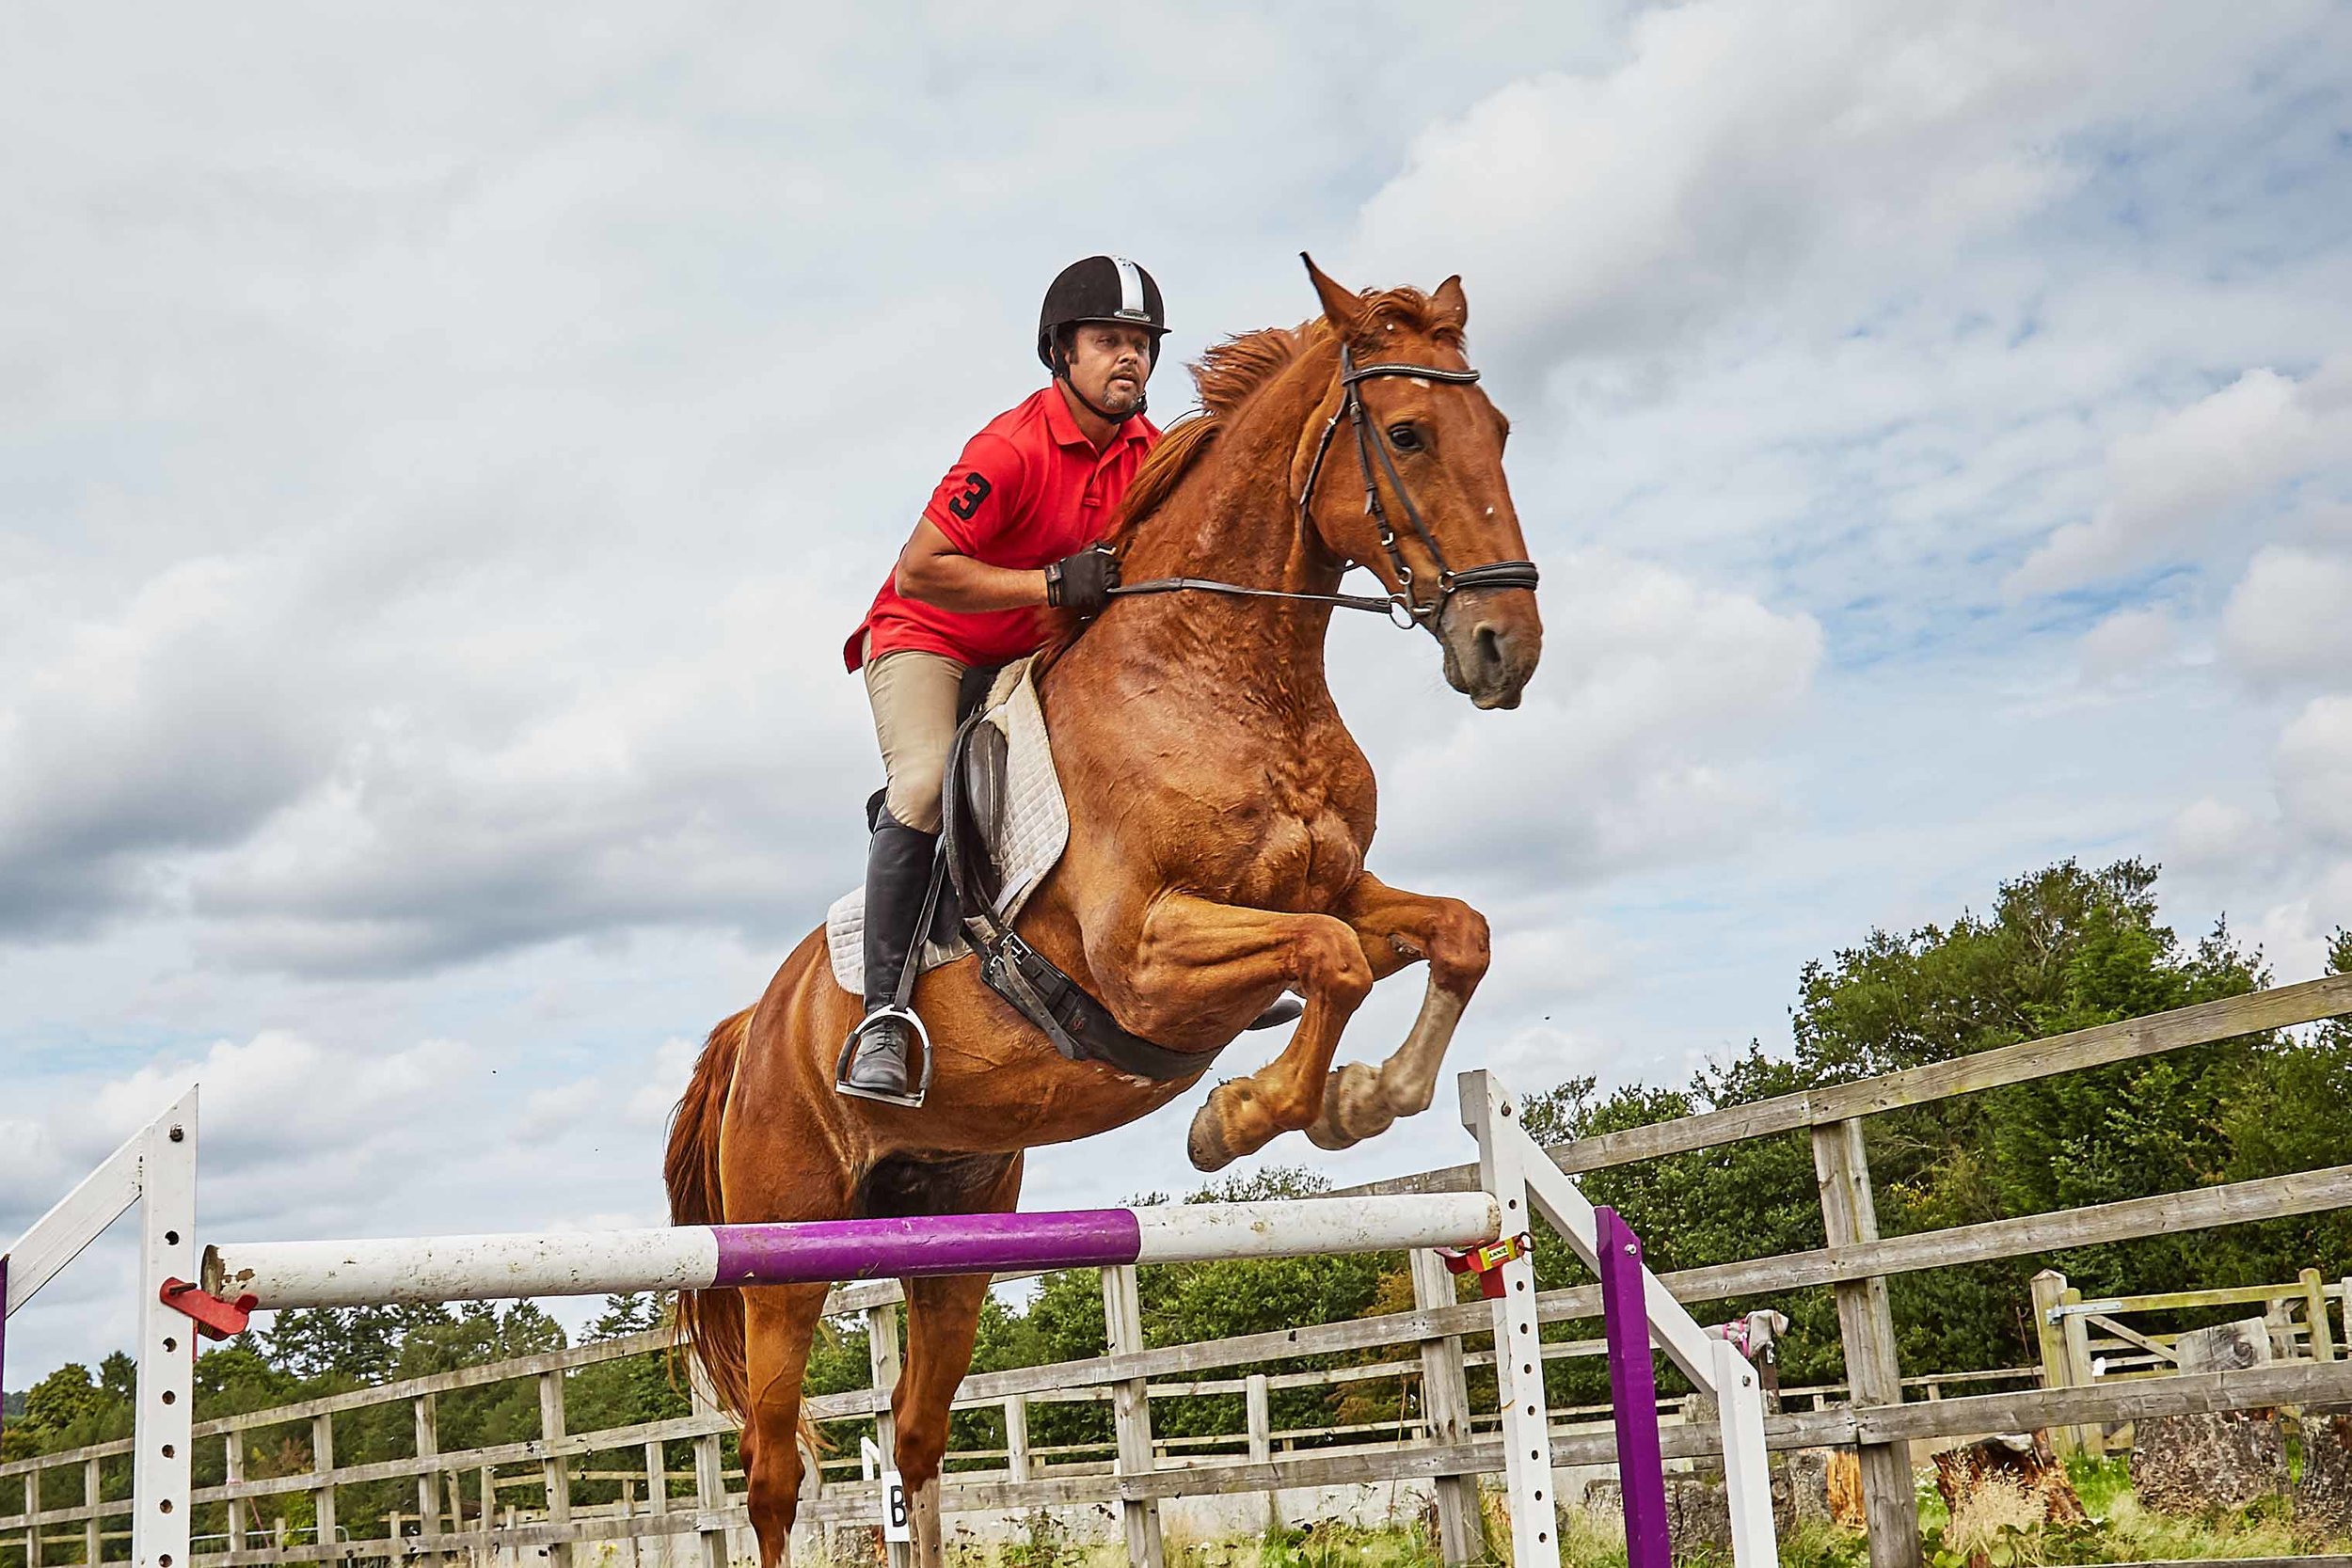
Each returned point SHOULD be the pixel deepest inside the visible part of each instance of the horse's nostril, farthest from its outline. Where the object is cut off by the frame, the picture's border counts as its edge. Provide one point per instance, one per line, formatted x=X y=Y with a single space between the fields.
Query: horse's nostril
x=1489 y=646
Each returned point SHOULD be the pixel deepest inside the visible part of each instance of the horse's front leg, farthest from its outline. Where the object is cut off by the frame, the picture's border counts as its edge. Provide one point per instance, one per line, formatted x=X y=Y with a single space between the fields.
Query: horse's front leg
x=1192 y=957
x=1397 y=928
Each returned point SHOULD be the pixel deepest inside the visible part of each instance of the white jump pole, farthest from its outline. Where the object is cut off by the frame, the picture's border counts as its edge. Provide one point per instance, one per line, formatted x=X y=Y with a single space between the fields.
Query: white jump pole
x=694 y=1258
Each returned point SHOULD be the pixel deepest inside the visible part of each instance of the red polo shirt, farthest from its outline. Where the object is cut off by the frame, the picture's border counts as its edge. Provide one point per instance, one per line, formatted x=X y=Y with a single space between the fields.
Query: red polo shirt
x=1028 y=490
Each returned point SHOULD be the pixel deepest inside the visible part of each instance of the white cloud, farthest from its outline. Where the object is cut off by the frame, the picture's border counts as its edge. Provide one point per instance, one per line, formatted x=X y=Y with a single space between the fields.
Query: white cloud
x=2291 y=616
x=170 y=724
x=1740 y=146
x=656 y=1092
x=2314 y=769
x=551 y=1113
x=2210 y=834
x=2191 y=472
x=1635 y=743
x=1806 y=154
x=2126 y=643
x=250 y=1087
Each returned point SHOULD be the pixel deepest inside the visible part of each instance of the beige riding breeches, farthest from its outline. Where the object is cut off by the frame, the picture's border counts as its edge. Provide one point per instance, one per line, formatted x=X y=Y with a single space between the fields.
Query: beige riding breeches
x=913 y=694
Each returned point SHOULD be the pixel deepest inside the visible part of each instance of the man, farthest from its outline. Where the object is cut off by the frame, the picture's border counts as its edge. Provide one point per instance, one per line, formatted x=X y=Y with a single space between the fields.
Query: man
x=1011 y=530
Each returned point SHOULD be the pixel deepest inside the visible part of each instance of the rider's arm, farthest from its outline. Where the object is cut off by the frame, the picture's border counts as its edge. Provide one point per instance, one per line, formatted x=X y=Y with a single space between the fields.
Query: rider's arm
x=976 y=501
x=932 y=570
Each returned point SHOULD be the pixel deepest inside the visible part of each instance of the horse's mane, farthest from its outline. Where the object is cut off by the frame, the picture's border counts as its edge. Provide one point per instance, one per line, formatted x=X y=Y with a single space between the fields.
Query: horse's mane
x=1229 y=374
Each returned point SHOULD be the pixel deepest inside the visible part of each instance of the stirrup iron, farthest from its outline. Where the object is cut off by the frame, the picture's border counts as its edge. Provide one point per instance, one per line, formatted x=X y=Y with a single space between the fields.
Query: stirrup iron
x=913 y=1101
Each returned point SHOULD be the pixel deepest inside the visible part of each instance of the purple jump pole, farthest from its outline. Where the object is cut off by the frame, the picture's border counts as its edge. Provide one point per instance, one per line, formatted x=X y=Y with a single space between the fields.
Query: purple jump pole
x=1632 y=1392
x=887 y=1248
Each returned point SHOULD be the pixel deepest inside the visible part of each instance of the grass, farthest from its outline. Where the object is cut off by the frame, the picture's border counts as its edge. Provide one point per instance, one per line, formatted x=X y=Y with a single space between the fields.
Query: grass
x=2006 y=1529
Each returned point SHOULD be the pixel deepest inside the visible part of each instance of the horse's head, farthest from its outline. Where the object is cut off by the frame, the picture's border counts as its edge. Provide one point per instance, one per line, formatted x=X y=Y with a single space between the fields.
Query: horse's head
x=1430 y=446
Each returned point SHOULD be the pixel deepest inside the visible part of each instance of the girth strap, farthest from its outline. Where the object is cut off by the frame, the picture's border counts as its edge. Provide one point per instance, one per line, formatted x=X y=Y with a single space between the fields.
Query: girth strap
x=1080 y=1027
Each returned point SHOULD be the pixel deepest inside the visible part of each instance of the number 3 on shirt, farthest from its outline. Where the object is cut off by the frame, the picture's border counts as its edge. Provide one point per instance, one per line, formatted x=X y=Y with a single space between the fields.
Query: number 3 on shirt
x=974 y=492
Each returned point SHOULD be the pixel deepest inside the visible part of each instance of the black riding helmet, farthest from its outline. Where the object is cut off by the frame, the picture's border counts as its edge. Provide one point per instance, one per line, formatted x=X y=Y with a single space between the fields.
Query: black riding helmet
x=1098 y=289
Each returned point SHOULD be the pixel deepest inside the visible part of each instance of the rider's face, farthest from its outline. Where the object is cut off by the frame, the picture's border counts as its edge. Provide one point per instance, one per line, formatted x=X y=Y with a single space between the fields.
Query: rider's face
x=1109 y=364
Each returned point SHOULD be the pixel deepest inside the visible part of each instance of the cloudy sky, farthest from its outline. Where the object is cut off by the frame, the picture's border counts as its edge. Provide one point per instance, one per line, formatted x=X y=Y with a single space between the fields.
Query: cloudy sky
x=444 y=449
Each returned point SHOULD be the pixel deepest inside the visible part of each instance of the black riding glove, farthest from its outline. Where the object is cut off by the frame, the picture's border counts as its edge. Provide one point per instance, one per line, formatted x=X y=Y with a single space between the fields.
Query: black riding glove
x=1084 y=581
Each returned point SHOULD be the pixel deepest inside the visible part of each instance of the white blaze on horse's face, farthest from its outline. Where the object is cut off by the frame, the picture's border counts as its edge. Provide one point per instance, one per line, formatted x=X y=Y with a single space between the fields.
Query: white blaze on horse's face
x=1491 y=637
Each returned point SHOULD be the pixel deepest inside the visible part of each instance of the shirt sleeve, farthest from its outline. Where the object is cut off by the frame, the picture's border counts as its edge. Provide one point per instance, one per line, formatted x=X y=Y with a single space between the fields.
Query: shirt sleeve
x=975 y=503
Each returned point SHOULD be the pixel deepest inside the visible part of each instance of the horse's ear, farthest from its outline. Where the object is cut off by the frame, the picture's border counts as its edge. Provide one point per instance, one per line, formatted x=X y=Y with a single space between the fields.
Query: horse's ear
x=1449 y=306
x=1340 y=306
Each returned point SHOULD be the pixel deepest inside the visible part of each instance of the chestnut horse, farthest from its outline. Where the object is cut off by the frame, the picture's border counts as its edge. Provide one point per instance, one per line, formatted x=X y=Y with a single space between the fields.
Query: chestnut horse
x=1219 y=813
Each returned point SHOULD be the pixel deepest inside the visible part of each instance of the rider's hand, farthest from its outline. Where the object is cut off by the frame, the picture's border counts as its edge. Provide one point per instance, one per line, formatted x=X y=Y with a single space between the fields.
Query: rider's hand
x=1084 y=581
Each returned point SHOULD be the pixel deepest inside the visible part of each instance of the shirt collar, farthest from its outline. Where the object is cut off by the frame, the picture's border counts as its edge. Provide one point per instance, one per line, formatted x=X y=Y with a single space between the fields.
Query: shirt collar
x=1058 y=423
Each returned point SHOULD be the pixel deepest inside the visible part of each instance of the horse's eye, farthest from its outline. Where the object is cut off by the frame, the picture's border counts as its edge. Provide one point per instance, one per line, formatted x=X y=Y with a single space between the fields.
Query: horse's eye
x=1405 y=438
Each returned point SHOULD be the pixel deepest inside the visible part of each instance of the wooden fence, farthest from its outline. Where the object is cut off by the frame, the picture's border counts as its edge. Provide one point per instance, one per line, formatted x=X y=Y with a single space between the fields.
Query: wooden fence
x=457 y=1510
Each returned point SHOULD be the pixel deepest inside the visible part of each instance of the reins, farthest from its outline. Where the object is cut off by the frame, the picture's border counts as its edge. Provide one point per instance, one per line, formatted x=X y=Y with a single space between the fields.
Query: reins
x=1403 y=607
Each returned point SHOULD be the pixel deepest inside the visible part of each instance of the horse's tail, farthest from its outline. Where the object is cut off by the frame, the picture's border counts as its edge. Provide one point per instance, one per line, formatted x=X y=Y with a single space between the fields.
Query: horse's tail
x=709 y=1323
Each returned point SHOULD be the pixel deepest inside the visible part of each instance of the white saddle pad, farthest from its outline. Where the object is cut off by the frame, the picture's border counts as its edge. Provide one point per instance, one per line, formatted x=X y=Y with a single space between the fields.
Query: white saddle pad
x=1027 y=838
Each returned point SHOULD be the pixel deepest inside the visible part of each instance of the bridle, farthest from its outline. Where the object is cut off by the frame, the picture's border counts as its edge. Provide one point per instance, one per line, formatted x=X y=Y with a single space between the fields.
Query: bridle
x=1374 y=456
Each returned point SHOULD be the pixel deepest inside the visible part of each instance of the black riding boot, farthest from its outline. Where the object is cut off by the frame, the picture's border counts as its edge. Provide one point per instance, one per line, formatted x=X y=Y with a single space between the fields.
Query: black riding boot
x=883 y=1048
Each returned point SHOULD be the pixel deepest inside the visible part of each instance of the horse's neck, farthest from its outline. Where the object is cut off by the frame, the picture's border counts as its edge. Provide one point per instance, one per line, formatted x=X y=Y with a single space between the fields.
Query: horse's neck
x=1234 y=520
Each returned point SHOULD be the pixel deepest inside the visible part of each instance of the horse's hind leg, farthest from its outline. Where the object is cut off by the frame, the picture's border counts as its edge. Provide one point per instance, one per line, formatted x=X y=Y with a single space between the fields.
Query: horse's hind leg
x=943 y=1318
x=1395 y=929
x=779 y=1320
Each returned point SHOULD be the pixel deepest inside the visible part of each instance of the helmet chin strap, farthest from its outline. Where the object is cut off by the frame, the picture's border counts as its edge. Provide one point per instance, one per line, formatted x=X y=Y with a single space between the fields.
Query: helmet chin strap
x=1104 y=414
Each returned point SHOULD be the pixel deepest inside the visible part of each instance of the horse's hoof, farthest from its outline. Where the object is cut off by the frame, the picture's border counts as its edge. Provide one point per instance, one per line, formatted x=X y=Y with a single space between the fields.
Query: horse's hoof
x=1354 y=1108
x=1205 y=1144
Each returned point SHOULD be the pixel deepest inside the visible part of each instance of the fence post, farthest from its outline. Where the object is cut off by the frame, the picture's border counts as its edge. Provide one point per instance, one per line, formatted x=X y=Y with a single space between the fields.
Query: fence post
x=453 y=1487
x=656 y=1478
x=2049 y=1288
x=710 y=1481
x=1131 y=1414
x=1017 y=1438
x=1445 y=1405
x=554 y=1471
x=2315 y=1310
x=233 y=1473
x=32 y=1506
x=428 y=1481
x=93 y=1533
x=1866 y=1328
x=322 y=1497
x=1258 y=1403
x=882 y=1355
x=2090 y=1438
x=488 y=1522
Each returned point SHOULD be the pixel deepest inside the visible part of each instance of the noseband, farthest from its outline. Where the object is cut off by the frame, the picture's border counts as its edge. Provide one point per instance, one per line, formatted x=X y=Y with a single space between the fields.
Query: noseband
x=1374 y=456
